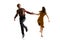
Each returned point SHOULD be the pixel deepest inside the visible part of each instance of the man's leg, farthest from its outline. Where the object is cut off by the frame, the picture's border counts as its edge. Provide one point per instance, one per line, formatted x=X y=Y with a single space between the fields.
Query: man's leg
x=25 y=26
x=22 y=28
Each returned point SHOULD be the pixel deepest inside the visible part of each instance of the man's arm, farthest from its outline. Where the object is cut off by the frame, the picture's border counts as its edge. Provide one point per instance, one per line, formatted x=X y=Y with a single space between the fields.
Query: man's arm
x=28 y=12
x=16 y=15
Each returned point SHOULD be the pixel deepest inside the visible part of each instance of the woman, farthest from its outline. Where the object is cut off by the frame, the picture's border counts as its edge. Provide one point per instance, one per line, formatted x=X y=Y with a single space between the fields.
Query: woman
x=40 y=21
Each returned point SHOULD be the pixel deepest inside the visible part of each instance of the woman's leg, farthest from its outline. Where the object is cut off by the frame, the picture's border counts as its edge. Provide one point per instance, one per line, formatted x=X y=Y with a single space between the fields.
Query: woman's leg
x=41 y=29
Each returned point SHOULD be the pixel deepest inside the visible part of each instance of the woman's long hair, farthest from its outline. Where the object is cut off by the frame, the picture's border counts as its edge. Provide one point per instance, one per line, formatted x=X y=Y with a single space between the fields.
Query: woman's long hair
x=43 y=9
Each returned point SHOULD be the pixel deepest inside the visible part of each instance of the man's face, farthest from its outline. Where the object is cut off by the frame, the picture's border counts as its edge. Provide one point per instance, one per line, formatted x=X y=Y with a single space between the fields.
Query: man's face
x=19 y=6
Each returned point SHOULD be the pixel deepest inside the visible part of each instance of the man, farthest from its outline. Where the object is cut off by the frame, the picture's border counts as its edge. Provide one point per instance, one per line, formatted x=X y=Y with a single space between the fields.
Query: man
x=21 y=13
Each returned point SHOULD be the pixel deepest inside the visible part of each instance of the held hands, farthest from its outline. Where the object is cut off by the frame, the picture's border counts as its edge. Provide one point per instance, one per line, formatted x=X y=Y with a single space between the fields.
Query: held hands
x=34 y=13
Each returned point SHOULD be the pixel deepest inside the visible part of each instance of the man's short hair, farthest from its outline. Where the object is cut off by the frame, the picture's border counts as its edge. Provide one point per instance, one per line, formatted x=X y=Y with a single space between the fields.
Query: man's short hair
x=18 y=5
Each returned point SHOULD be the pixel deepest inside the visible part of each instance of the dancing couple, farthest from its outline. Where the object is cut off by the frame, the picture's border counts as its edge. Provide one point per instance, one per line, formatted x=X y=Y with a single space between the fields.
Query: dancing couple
x=21 y=12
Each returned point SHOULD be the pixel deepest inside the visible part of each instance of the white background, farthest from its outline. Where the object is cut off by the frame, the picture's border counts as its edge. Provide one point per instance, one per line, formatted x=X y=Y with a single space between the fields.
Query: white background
x=10 y=29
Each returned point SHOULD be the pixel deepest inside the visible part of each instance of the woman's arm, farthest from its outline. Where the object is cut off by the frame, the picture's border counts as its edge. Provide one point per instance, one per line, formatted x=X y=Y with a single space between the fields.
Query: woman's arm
x=48 y=17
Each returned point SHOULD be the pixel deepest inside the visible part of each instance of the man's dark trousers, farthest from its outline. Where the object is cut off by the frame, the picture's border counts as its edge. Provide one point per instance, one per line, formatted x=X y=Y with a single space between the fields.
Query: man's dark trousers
x=22 y=19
